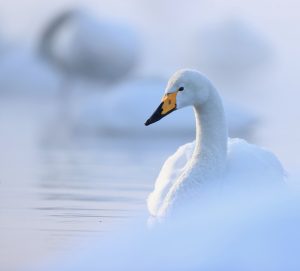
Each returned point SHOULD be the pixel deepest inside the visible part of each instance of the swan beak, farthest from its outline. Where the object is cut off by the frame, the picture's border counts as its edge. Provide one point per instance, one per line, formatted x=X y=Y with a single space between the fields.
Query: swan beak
x=168 y=105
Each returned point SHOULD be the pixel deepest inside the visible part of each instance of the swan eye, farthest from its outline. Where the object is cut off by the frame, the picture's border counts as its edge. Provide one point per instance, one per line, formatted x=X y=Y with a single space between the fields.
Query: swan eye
x=181 y=89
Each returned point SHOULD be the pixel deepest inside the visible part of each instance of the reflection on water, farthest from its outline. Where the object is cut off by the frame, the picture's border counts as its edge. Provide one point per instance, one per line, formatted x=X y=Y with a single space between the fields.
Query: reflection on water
x=54 y=194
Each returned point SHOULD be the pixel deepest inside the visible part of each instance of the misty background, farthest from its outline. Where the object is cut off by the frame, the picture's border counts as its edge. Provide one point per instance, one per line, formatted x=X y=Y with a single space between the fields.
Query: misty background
x=75 y=155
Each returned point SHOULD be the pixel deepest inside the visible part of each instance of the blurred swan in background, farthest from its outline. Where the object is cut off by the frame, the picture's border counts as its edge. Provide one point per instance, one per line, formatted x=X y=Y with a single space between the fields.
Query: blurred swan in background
x=82 y=46
x=212 y=160
x=78 y=46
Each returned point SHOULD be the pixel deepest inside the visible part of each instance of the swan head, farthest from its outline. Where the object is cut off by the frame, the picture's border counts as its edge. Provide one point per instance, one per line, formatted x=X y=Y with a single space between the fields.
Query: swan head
x=185 y=88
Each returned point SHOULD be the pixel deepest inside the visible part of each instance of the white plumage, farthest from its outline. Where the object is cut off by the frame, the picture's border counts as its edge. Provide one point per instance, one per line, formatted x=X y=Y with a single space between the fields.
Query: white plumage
x=212 y=163
x=248 y=167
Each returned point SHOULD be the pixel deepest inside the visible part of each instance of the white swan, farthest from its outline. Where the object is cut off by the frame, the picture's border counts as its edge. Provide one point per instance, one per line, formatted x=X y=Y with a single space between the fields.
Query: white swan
x=212 y=158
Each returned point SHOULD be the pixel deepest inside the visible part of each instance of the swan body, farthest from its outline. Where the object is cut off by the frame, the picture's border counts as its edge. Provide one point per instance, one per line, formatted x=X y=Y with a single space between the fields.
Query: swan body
x=211 y=161
x=237 y=171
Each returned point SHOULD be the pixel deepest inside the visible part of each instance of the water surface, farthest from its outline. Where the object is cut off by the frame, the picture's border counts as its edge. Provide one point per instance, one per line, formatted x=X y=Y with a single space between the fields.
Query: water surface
x=57 y=190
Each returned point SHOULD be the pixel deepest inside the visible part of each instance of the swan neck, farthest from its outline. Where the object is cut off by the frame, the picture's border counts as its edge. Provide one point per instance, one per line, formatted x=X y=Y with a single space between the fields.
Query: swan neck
x=211 y=134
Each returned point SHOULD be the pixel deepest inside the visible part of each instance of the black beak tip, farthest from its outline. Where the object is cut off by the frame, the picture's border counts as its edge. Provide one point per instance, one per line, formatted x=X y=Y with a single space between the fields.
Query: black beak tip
x=156 y=116
x=148 y=122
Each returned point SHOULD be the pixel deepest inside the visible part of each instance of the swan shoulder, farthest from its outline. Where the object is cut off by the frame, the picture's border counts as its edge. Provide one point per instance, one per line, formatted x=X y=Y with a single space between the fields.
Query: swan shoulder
x=252 y=165
x=169 y=173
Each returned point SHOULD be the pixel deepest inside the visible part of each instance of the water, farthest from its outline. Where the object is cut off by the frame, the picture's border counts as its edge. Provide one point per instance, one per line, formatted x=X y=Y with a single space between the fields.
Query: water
x=56 y=192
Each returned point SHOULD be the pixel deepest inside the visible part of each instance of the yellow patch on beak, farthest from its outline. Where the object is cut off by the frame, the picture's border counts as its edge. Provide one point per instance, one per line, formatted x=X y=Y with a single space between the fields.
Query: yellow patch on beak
x=167 y=105
x=169 y=102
